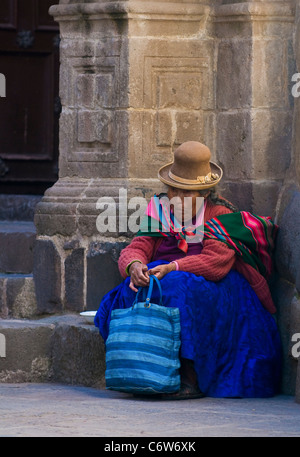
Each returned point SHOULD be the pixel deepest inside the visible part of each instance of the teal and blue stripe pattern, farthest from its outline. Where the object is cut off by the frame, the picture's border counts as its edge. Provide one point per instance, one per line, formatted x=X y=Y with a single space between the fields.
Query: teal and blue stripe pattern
x=142 y=349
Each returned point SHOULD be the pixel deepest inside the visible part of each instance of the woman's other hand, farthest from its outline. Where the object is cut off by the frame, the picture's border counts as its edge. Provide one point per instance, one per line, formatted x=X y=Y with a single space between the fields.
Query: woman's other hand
x=161 y=270
x=139 y=276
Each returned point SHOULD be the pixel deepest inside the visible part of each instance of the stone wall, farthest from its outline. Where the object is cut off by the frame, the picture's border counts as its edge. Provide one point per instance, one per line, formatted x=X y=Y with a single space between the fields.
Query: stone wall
x=137 y=79
x=255 y=63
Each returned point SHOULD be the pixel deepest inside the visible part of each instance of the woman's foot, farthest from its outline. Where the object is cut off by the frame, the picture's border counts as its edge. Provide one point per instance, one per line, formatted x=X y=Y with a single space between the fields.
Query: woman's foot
x=189 y=389
x=186 y=392
x=188 y=375
x=189 y=385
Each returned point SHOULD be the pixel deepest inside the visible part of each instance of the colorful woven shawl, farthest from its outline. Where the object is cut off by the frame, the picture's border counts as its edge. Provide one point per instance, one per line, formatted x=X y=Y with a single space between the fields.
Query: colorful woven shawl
x=159 y=220
x=252 y=237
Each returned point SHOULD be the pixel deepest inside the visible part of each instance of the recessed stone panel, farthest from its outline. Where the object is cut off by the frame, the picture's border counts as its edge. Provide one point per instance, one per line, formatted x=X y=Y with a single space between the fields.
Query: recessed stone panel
x=177 y=82
x=94 y=127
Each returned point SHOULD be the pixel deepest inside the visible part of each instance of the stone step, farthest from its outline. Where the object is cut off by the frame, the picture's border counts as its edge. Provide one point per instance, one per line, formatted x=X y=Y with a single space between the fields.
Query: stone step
x=61 y=349
x=17 y=239
x=15 y=207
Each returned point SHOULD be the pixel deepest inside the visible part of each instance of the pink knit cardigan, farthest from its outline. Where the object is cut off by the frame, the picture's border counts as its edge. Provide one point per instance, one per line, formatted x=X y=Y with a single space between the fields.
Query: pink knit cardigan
x=214 y=262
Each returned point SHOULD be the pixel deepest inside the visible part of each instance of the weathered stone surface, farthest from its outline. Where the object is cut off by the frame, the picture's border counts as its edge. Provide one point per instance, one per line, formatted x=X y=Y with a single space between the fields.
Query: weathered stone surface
x=17 y=296
x=283 y=293
x=53 y=216
x=77 y=355
x=259 y=197
x=57 y=349
x=47 y=277
x=18 y=207
x=235 y=57
x=288 y=242
x=239 y=193
x=270 y=88
x=102 y=271
x=71 y=205
x=17 y=240
x=271 y=143
x=3 y=306
x=265 y=195
x=20 y=296
x=234 y=144
x=27 y=351
x=74 y=280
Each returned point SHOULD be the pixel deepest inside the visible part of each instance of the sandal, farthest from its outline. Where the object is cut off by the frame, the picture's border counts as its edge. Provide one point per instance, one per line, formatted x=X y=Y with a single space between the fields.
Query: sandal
x=186 y=392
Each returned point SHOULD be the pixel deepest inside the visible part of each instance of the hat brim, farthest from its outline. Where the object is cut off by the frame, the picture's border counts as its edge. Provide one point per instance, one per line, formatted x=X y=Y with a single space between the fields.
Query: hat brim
x=163 y=175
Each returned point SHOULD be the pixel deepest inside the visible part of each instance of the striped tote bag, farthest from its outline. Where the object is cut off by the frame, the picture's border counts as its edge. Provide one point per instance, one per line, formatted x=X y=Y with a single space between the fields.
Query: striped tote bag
x=142 y=348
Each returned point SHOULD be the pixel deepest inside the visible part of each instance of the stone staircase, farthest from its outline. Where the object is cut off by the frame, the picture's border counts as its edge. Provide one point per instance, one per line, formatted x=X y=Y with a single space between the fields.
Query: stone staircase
x=35 y=348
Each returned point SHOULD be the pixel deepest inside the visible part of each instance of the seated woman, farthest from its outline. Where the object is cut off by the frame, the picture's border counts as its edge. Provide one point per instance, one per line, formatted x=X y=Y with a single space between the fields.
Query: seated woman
x=230 y=345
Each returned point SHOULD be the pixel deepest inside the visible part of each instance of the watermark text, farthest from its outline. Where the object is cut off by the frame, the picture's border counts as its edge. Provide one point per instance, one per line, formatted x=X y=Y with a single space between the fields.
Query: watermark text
x=2 y=345
x=2 y=85
x=296 y=346
x=296 y=87
x=126 y=215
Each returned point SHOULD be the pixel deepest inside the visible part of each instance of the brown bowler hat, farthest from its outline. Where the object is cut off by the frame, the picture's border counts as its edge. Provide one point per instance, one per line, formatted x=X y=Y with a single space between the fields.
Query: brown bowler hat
x=192 y=168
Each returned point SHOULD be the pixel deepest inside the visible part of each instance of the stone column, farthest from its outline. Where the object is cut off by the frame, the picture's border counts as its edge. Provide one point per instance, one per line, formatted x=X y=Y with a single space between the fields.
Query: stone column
x=137 y=78
x=254 y=102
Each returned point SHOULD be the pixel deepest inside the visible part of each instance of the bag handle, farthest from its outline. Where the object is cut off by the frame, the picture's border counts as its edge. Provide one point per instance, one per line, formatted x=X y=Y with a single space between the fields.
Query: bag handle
x=153 y=279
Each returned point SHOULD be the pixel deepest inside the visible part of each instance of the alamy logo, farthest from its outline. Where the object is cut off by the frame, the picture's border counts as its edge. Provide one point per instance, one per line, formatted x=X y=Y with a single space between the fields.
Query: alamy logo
x=2 y=85
x=115 y=214
x=296 y=346
x=296 y=87
x=2 y=345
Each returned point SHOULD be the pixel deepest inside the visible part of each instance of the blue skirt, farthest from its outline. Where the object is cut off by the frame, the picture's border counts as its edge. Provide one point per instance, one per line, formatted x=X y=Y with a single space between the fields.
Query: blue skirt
x=232 y=339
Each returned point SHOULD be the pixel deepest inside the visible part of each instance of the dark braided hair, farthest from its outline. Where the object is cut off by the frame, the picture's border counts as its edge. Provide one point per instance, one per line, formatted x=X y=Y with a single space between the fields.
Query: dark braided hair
x=216 y=199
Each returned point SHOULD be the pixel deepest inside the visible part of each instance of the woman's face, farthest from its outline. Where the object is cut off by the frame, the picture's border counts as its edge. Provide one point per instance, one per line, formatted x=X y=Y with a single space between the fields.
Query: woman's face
x=187 y=206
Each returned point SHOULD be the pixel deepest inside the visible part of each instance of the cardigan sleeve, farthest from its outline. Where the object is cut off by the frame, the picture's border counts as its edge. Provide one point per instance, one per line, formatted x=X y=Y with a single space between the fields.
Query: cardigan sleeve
x=141 y=248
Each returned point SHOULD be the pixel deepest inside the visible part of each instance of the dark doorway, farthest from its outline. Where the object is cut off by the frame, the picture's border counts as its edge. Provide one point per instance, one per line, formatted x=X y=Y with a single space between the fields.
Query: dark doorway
x=29 y=113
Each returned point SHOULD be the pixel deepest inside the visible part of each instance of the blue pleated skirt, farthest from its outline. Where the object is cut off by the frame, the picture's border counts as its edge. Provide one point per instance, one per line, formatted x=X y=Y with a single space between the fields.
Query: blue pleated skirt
x=232 y=339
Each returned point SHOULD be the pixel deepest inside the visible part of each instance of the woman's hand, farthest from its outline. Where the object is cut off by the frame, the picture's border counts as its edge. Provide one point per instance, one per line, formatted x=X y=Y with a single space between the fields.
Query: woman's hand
x=161 y=270
x=139 y=276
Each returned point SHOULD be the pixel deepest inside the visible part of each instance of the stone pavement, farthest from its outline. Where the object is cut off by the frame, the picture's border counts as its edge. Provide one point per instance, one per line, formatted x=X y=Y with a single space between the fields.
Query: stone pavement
x=55 y=410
